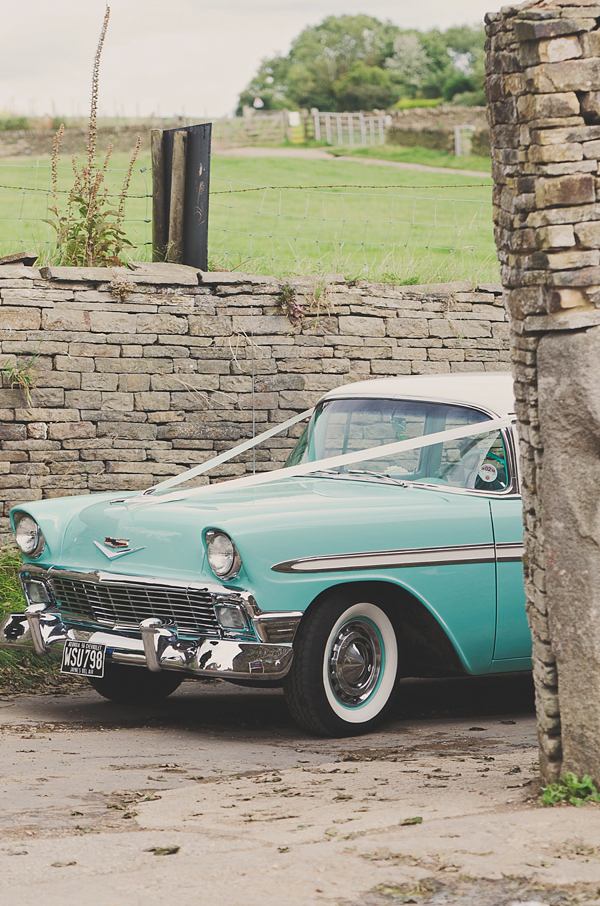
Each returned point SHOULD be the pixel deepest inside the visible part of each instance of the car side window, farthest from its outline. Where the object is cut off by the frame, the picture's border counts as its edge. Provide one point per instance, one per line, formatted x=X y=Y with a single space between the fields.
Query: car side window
x=475 y=463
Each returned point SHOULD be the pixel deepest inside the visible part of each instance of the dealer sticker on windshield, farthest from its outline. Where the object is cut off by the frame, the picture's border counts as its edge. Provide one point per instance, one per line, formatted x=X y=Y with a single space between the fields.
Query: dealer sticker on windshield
x=83 y=658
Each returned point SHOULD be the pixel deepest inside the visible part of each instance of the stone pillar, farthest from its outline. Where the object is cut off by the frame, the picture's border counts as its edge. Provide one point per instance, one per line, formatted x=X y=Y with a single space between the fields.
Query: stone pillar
x=543 y=91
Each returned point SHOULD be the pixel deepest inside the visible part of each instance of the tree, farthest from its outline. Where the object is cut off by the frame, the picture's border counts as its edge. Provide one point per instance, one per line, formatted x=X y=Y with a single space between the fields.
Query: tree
x=361 y=63
x=365 y=87
x=409 y=62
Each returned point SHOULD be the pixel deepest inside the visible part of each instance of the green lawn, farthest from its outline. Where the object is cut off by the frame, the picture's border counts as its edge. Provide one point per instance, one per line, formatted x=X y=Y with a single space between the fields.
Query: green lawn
x=427 y=156
x=383 y=223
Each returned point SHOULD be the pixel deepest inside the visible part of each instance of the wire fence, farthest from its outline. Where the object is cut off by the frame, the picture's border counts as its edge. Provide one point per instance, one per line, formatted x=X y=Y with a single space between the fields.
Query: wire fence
x=403 y=233
x=26 y=199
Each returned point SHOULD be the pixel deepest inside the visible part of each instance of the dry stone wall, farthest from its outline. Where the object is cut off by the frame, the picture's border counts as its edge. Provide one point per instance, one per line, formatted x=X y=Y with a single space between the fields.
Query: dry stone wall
x=142 y=374
x=543 y=89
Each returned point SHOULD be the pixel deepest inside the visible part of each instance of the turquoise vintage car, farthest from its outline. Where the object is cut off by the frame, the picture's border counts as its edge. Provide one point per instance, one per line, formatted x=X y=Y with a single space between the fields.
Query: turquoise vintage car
x=333 y=577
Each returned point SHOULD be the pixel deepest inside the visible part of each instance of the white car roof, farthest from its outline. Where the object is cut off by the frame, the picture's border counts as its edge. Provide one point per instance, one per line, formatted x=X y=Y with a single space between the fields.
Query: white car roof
x=490 y=391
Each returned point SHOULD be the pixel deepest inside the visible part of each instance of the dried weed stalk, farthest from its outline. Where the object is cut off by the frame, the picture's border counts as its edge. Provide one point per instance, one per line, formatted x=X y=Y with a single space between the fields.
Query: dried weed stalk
x=89 y=232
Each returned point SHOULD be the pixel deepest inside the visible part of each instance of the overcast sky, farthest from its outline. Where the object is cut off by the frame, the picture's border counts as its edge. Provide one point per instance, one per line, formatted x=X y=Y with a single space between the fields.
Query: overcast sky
x=170 y=56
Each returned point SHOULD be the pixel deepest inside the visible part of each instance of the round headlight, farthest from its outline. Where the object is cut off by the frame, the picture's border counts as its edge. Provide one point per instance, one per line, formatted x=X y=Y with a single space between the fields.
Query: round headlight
x=223 y=557
x=29 y=536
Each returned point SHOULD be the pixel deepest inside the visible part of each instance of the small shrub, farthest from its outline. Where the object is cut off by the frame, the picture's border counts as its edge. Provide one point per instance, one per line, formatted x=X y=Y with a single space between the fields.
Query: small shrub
x=13 y=123
x=570 y=790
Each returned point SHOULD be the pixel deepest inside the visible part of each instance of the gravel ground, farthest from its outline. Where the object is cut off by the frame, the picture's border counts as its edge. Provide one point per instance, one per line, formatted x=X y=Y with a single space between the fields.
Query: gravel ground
x=215 y=794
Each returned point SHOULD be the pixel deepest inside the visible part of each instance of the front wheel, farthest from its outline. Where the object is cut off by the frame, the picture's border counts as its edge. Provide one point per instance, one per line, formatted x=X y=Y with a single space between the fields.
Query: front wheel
x=342 y=681
x=134 y=685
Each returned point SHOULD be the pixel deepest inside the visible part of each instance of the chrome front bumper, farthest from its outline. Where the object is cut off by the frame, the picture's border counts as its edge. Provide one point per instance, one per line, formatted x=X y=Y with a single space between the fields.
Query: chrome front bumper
x=159 y=648
x=265 y=654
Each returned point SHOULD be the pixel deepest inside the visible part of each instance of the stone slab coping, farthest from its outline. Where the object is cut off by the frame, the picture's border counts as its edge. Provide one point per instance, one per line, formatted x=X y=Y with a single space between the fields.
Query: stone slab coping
x=146 y=272
x=139 y=272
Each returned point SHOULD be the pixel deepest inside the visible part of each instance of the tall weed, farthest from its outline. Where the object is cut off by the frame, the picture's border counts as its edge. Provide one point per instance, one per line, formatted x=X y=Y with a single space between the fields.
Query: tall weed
x=89 y=232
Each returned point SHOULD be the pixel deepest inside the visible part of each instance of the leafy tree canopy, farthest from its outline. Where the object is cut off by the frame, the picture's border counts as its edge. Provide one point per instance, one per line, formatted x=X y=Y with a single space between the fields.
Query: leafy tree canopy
x=360 y=63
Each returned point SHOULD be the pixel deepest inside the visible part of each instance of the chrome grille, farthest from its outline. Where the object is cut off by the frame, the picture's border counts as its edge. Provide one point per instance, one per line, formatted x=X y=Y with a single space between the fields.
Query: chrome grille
x=127 y=605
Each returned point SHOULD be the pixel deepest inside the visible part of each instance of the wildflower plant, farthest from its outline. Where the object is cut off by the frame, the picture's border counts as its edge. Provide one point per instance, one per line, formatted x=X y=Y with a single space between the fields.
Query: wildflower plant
x=89 y=232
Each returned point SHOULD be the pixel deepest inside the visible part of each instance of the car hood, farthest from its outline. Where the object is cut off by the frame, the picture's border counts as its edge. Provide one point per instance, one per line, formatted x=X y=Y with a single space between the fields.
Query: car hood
x=292 y=518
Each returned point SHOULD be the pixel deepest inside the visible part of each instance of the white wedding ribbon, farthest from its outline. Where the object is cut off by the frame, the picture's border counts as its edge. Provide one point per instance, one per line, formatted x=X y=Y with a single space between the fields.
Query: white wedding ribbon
x=320 y=465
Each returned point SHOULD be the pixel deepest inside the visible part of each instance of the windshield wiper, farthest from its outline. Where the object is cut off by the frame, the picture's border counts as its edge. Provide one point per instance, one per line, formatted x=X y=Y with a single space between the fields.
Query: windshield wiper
x=359 y=473
x=380 y=476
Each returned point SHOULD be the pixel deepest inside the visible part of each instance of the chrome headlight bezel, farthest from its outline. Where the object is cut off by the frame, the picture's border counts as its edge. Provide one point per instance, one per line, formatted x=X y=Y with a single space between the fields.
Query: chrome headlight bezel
x=222 y=554
x=27 y=527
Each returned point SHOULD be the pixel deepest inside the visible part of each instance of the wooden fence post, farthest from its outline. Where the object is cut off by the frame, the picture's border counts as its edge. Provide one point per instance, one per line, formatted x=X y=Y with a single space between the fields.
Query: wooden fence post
x=175 y=246
x=159 y=215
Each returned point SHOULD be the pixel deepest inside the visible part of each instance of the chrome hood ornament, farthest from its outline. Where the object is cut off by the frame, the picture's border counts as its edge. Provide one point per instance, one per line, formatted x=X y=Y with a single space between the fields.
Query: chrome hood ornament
x=120 y=547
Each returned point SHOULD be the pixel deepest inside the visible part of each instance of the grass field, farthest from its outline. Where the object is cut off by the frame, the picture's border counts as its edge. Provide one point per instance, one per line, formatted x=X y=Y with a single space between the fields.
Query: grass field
x=427 y=156
x=382 y=223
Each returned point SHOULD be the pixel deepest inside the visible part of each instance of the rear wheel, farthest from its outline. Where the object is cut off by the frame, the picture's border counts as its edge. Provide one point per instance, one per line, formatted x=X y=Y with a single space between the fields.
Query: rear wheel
x=342 y=681
x=134 y=685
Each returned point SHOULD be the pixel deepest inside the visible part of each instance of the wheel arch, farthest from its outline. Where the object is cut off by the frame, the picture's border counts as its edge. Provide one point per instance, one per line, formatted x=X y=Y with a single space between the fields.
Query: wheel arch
x=424 y=646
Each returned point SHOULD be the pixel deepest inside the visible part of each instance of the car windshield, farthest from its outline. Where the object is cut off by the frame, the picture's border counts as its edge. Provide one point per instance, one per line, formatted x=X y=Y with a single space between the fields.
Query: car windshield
x=349 y=425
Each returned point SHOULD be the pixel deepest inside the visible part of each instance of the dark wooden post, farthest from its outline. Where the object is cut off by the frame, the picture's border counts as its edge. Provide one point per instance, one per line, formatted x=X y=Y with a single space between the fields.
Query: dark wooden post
x=159 y=216
x=177 y=200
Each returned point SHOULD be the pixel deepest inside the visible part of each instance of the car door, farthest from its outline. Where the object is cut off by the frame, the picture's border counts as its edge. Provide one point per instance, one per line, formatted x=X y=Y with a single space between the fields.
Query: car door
x=512 y=649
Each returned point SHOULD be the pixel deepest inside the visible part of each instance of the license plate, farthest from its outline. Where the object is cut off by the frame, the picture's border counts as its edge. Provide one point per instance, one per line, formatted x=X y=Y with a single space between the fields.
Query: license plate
x=83 y=658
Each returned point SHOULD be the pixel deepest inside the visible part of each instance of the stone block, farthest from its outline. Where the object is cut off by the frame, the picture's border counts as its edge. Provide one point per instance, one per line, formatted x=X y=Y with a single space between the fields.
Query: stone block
x=96 y=381
x=166 y=324
x=563 y=260
x=65 y=319
x=13 y=318
x=112 y=322
x=555 y=153
x=362 y=327
x=588 y=234
x=591 y=150
x=559 y=236
x=69 y=430
x=567 y=214
x=591 y=44
x=83 y=399
x=135 y=366
x=94 y=349
x=565 y=190
x=261 y=325
x=556 y=50
x=47 y=415
x=571 y=75
x=182 y=382
x=73 y=363
x=567 y=297
x=531 y=30
x=150 y=401
x=133 y=383
x=210 y=326
x=552 y=106
x=407 y=327
x=590 y=106
x=526 y=300
x=117 y=401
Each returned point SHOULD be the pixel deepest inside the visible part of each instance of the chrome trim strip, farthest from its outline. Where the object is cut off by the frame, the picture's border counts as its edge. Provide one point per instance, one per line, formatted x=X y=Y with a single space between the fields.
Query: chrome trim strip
x=423 y=556
x=510 y=551
x=121 y=578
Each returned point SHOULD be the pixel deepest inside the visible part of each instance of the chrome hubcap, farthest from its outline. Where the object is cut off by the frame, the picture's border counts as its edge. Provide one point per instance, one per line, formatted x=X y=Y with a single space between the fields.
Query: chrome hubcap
x=355 y=662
